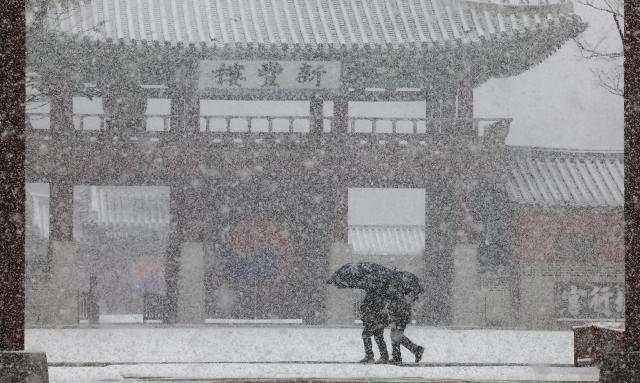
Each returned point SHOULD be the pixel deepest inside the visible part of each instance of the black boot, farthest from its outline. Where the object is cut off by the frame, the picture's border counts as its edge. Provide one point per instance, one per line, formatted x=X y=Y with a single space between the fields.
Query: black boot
x=414 y=348
x=368 y=351
x=396 y=356
x=382 y=347
x=418 y=353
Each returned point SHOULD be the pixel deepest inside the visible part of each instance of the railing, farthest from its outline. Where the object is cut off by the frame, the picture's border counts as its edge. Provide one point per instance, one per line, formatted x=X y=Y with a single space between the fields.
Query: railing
x=259 y=124
x=83 y=307
x=283 y=125
x=408 y=125
x=97 y=121
x=88 y=311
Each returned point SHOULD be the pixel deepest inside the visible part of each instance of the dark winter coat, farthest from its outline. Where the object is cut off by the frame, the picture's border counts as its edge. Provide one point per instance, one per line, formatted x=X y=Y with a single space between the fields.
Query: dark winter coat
x=372 y=309
x=399 y=306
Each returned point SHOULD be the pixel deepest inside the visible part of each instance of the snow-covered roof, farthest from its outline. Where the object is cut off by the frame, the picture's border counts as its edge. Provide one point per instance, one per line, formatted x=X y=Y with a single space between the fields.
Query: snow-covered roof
x=387 y=239
x=128 y=207
x=566 y=177
x=308 y=23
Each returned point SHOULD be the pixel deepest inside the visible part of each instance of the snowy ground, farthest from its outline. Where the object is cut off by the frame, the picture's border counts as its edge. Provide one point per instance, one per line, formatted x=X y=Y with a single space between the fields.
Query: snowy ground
x=136 y=353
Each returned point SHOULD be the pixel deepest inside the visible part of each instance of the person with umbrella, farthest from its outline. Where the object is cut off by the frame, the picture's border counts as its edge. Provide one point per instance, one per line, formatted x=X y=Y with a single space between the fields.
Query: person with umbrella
x=373 y=279
x=403 y=289
x=374 y=320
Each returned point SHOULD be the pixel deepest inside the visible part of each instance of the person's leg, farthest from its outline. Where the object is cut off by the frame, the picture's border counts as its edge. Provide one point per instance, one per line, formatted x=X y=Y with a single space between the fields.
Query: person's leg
x=396 y=338
x=415 y=349
x=382 y=346
x=368 y=346
x=408 y=344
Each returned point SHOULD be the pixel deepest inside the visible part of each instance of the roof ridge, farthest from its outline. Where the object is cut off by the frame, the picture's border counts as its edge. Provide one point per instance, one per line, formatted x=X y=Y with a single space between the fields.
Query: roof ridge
x=567 y=151
x=386 y=225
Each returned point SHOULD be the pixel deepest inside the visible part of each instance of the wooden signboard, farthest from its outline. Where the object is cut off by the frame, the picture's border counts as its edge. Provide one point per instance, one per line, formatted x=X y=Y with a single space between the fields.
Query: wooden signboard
x=242 y=74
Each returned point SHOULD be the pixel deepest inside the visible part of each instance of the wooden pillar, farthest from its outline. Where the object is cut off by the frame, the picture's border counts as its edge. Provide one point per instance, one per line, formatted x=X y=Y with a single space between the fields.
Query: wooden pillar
x=316 y=105
x=340 y=116
x=465 y=98
x=191 y=291
x=192 y=99
x=61 y=207
x=178 y=90
x=12 y=202
x=64 y=281
x=174 y=248
x=216 y=219
x=62 y=109
x=440 y=228
x=341 y=231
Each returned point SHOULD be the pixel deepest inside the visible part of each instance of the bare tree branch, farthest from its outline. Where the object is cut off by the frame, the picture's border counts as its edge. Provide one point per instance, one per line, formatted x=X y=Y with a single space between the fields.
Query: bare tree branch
x=620 y=33
x=593 y=53
x=611 y=79
x=591 y=5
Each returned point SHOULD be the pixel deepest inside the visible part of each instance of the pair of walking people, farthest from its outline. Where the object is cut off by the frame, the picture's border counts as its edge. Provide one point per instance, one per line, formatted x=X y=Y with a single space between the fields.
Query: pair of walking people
x=387 y=307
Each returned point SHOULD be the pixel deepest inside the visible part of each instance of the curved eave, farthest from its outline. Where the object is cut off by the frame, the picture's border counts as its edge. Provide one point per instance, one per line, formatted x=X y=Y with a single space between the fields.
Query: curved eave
x=539 y=46
x=331 y=28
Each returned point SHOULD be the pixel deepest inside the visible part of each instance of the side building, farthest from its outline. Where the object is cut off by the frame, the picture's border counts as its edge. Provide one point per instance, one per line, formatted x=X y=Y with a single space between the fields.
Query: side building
x=569 y=235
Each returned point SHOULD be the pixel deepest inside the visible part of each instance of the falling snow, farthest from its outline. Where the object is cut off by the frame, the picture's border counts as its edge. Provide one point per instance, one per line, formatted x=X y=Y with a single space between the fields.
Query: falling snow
x=197 y=174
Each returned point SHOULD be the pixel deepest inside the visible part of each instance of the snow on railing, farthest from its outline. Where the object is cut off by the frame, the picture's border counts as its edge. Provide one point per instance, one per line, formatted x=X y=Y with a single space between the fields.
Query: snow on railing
x=97 y=121
x=273 y=124
x=259 y=124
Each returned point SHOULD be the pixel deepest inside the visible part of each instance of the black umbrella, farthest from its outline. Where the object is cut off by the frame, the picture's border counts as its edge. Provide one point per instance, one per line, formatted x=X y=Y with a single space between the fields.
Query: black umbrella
x=408 y=282
x=361 y=275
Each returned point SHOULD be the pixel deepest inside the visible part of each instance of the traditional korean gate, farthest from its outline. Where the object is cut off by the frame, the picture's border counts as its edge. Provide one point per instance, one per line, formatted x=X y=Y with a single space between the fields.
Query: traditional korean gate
x=219 y=167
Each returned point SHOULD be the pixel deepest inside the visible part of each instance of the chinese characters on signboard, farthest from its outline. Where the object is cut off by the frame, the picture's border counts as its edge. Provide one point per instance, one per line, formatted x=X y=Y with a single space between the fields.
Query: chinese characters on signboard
x=243 y=74
x=590 y=300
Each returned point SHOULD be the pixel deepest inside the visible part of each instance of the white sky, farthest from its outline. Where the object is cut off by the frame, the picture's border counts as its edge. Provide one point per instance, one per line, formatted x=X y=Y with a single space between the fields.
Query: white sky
x=559 y=103
x=386 y=206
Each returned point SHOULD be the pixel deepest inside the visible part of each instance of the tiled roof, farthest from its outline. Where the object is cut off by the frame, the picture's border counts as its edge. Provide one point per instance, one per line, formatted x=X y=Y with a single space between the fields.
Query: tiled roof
x=565 y=178
x=387 y=240
x=382 y=23
x=131 y=206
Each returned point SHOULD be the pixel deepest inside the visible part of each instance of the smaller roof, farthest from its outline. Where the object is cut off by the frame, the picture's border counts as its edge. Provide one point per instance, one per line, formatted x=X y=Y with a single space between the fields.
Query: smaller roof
x=552 y=177
x=387 y=240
